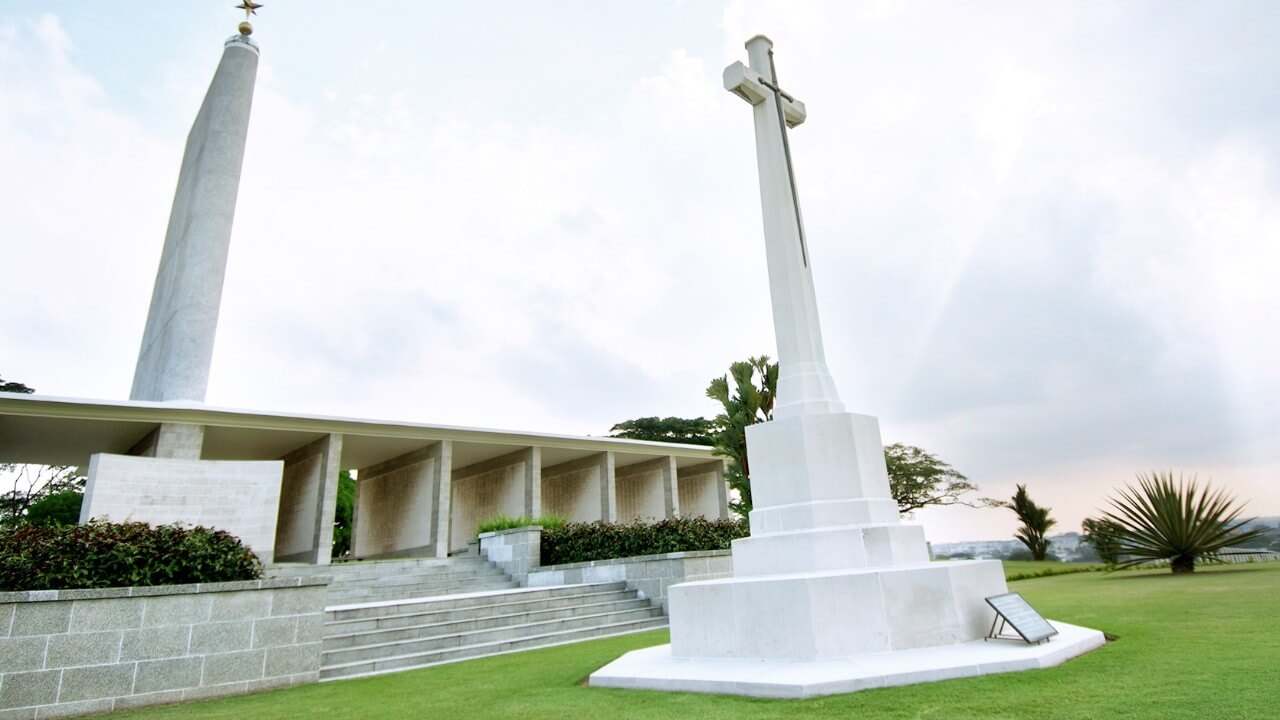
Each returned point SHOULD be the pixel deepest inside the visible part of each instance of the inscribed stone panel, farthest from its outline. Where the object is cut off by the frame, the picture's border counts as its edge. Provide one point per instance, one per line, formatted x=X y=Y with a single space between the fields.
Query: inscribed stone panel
x=299 y=488
x=699 y=495
x=640 y=496
x=574 y=496
x=483 y=496
x=395 y=509
x=239 y=497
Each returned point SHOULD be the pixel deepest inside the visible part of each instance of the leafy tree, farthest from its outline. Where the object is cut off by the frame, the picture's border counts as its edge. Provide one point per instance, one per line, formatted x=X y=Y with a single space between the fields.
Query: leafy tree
x=1035 y=523
x=919 y=479
x=344 y=511
x=692 y=431
x=32 y=483
x=15 y=387
x=1181 y=522
x=60 y=508
x=1101 y=536
x=746 y=395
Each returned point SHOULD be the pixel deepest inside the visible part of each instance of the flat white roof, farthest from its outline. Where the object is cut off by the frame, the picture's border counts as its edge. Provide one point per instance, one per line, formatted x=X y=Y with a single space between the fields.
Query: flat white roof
x=66 y=431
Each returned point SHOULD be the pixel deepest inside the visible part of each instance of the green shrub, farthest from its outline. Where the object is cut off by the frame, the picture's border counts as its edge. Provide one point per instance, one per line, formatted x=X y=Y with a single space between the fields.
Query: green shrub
x=581 y=542
x=102 y=554
x=505 y=522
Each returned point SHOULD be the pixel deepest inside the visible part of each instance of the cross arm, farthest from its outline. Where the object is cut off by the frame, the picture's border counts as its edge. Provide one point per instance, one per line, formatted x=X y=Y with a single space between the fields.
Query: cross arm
x=754 y=88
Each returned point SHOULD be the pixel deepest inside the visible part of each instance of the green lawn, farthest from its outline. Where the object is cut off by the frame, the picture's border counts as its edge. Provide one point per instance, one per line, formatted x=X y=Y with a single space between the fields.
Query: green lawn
x=1199 y=646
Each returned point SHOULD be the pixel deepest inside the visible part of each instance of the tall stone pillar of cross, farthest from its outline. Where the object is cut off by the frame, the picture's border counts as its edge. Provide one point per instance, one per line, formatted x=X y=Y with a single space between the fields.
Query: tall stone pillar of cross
x=805 y=385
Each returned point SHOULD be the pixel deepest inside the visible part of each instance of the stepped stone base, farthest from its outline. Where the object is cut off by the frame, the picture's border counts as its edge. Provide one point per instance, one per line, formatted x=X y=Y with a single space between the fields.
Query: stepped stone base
x=656 y=668
x=835 y=614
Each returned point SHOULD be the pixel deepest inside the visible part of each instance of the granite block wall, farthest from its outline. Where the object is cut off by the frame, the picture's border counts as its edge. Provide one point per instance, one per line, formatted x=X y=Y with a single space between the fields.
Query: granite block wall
x=74 y=652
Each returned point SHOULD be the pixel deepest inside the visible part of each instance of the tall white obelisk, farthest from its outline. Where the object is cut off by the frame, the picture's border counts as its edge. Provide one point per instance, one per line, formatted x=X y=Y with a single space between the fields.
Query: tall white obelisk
x=177 y=345
x=831 y=592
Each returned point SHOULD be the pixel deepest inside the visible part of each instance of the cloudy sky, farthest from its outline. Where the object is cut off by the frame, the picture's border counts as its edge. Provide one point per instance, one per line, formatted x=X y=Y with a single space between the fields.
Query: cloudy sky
x=1045 y=236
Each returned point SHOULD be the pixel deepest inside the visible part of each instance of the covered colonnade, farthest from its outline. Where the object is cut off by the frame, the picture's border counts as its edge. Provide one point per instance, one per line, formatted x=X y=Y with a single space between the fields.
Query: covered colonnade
x=272 y=478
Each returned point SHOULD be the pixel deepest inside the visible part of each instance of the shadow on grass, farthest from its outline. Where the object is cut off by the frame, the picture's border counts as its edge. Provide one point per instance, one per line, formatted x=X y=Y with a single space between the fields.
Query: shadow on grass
x=1148 y=573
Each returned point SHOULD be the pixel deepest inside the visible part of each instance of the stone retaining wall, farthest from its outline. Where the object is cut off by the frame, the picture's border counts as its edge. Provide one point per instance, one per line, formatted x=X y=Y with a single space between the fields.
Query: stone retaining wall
x=515 y=551
x=651 y=575
x=74 y=652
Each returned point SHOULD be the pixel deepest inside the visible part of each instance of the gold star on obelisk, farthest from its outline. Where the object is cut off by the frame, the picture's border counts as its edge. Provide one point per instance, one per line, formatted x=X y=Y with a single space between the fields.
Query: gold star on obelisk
x=250 y=8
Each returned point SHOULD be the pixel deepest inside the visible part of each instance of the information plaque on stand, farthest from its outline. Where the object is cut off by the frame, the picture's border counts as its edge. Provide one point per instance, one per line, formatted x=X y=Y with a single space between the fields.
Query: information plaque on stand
x=1012 y=610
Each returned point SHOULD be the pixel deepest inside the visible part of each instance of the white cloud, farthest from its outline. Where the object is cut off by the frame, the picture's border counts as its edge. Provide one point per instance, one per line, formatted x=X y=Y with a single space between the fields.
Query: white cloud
x=1044 y=253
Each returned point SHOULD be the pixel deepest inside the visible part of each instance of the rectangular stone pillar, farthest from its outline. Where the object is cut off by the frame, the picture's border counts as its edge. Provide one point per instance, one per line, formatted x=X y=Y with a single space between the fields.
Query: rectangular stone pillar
x=440 y=527
x=671 y=487
x=703 y=491
x=308 y=495
x=176 y=441
x=608 y=487
x=533 y=482
x=398 y=504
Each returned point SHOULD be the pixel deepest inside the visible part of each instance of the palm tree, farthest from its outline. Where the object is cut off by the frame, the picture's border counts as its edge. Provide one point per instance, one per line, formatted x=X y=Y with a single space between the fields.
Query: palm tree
x=1035 y=523
x=747 y=404
x=1182 y=523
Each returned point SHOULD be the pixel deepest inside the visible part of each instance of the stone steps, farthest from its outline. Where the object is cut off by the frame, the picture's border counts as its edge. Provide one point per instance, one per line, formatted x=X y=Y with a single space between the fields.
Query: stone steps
x=412 y=632
x=355 y=596
x=410 y=618
x=377 y=568
x=401 y=579
x=384 y=637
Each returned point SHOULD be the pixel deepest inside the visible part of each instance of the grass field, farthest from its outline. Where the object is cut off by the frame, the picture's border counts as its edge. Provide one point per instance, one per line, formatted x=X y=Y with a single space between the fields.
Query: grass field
x=1200 y=646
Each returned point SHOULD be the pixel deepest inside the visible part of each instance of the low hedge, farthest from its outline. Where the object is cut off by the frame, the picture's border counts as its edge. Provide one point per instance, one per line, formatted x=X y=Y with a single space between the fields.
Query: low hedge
x=582 y=542
x=103 y=554
x=502 y=521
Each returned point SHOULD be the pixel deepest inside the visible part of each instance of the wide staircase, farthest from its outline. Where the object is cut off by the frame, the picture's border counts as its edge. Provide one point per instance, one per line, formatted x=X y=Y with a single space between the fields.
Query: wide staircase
x=394 y=615
x=383 y=580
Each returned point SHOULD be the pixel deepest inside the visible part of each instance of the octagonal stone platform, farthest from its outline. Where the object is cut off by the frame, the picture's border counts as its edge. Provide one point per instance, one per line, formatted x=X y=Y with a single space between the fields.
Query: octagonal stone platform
x=656 y=669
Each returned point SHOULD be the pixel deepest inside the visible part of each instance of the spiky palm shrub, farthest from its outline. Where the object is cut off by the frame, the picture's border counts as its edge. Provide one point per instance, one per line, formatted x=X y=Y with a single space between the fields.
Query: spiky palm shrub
x=1035 y=523
x=1182 y=522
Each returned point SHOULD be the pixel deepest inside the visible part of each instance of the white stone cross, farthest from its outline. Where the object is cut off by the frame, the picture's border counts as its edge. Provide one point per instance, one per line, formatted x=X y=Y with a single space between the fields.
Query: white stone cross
x=805 y=385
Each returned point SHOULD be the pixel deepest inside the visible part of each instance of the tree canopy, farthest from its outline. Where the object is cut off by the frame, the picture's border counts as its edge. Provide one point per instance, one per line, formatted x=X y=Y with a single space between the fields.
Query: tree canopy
x=34 y=483
x=343 y=514
x=1101 y=535
x=918 y=479
x=14 y=387
x=691 y=431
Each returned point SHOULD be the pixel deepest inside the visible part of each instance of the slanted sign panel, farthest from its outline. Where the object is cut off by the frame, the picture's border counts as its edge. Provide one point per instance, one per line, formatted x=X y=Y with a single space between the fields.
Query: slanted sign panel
x=1014 y=610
